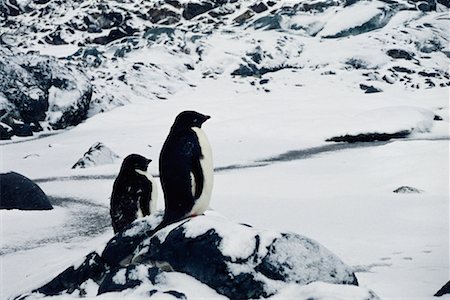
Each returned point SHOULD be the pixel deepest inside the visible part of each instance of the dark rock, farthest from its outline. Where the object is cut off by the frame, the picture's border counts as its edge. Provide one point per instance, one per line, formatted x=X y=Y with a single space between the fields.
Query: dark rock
x=369 y=89
x=403 y=70
x=98 y=154
x=174 y=3
x=437 y=118
x=195 y=9
x=55 y=38
x=254 y=70
x=426 y=6
x=10 y=8
x=357 y=63
x=73 y=117
x=92 y=57
x=263 y=81
x=428 y=74
x=6 y=131
x=118 y=251
x=446 y=3
x=114 y=35
x=238 y=276
x=176 y=294
x=236 y=260
x=369 y=137
x=271 y=22
x=444 y=290
x=129 y=278
x=22 y=129
x=259 y=8
x=256 y=56
x=407 y=190
x=19 y=192
x=241 y=19
x=104 y=20
x=93 y=267
x=400 y=54
x=162 y=15
x=152 y=34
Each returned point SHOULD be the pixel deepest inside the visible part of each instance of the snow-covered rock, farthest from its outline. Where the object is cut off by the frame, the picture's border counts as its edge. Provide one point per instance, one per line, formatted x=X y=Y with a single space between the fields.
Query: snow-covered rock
x=236 y=260
x=98 y=154
x=444 y=290
x=39 y=92
x=19 y=192
x=407 y=190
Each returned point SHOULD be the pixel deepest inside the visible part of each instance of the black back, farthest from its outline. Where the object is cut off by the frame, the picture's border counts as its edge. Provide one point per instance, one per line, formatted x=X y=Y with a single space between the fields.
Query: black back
x=131 y=191
x=180 y=156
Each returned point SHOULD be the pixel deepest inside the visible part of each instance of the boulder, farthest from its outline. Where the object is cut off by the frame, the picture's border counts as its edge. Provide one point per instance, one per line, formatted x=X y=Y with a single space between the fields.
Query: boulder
x=36 y=88
x=444 y=290
x=400 y=54
x=194 y=9
x=19 y=192
x=236 y=260
x=369 y=89
x=115 y=34
x=97 y=155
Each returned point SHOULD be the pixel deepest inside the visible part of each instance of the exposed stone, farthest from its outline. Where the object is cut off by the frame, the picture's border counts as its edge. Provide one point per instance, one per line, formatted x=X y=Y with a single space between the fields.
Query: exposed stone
x=19 y=192
x=407 y=190
x=369 y=137
x=98 y=154
x=369 y=89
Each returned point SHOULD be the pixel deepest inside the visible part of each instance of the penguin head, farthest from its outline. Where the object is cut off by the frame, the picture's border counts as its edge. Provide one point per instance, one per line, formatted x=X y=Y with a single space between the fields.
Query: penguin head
x=135 y=162
x=189 y=119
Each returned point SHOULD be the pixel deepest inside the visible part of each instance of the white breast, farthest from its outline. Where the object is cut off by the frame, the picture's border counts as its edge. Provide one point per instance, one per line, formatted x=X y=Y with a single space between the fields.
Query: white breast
x=154 y=194
x=206 y=163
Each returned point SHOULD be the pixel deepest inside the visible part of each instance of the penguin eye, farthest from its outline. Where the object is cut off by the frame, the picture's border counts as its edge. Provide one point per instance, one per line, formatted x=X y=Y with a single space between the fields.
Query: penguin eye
x=195 y=120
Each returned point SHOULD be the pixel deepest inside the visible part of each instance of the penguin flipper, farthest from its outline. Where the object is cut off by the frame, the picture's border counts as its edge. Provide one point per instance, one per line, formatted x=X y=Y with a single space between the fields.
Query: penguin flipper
x=198 y=179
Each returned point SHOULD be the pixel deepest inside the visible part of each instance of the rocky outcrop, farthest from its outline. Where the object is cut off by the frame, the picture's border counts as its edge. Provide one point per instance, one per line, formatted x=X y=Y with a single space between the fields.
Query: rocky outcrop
x=369 y=137
x=39 y=91
x=19 y=192
x=236 y=260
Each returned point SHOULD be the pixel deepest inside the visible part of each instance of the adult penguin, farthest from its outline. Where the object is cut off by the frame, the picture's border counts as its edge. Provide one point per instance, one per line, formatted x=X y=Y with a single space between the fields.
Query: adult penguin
x=134 y=192
x=186 y=168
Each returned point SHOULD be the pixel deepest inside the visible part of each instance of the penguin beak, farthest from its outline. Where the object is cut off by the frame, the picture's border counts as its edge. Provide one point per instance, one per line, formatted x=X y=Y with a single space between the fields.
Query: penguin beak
x=148 y=161
x=207 y=117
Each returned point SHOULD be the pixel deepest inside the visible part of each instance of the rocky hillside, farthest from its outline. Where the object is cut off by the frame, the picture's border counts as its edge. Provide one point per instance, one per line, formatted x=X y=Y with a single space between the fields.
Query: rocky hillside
x=132 y=50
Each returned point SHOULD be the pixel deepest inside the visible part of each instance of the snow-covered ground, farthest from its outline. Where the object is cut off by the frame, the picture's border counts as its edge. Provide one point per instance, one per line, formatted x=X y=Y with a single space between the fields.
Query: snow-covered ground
x=342 y=197
x=278 y=83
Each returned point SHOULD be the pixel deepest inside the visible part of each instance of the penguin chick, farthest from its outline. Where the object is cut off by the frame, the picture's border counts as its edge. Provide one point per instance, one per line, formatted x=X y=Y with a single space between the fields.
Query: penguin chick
x=134 y=192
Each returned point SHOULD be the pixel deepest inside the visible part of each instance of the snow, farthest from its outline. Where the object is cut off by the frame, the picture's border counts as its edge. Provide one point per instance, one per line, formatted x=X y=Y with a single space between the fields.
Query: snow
x=343 y=198
x=322 y=291
x=237 y=243
x=353 y=16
